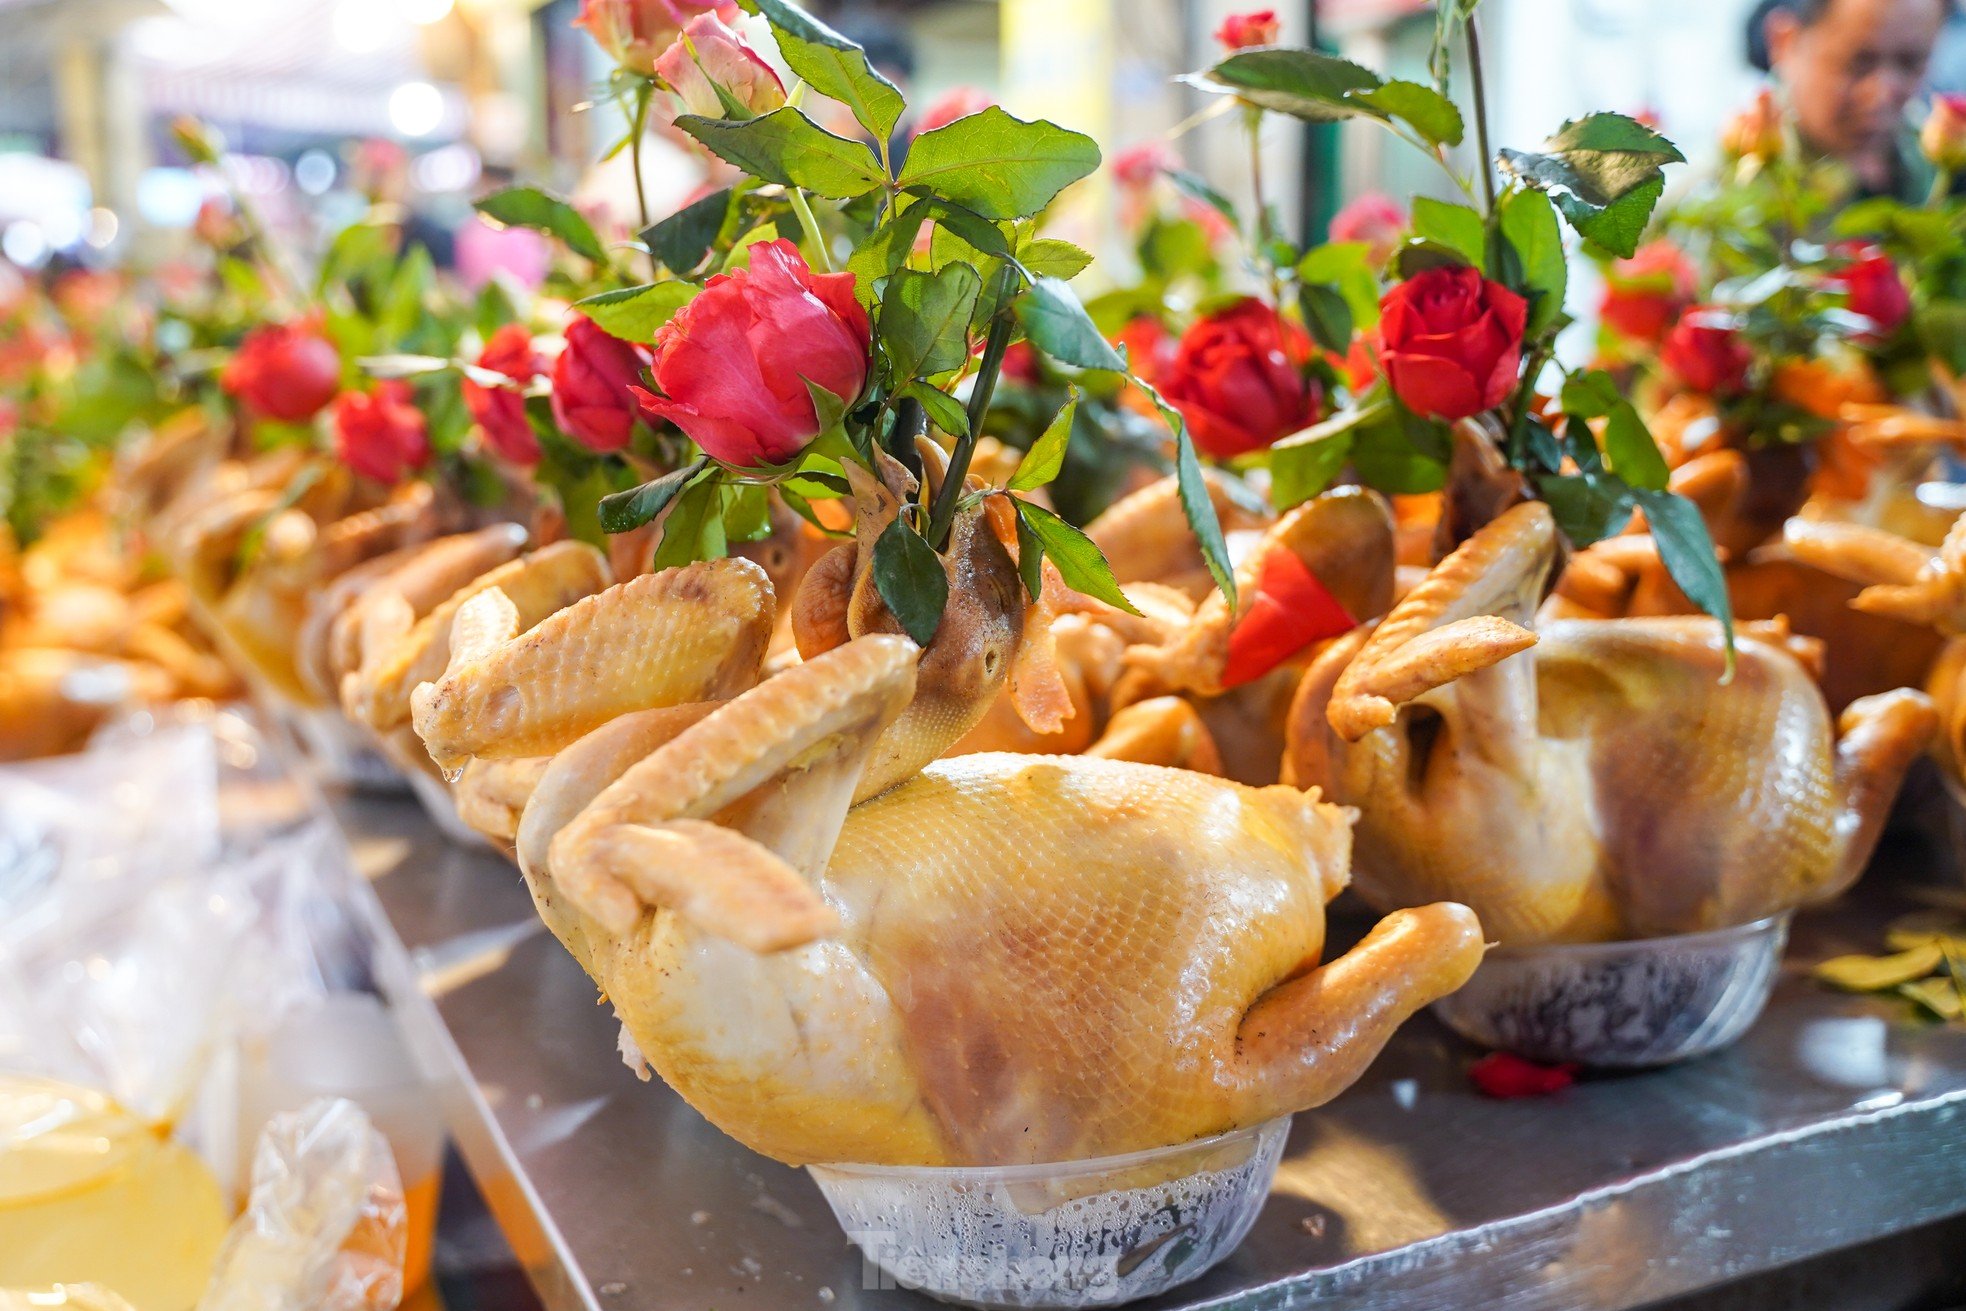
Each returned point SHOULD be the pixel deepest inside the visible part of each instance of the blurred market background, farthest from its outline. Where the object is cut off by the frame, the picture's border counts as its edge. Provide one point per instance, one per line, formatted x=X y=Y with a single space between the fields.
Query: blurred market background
x=329 y=104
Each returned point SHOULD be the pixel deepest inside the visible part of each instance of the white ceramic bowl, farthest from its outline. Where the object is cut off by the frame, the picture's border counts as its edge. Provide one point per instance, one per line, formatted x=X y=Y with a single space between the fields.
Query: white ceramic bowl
x=1068 y=1234
x=1646 y=1002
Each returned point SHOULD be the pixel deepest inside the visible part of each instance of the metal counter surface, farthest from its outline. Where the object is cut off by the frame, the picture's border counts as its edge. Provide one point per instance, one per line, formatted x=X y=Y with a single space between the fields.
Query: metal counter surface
x=1837 y=1121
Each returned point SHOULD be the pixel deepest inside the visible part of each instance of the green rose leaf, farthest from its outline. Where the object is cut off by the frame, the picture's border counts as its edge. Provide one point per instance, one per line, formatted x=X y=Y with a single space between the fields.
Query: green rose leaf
x=694 y=529
x=1588 y=507
x=1605 y=173
x=1420 y=254
x=908 y=574
x=626 y=511
x=529 y=207
x=635 y=313
x=1197 y=187
x=1030 y=560
x=833 y=65
x=1630 y=450
x=1051 y=258
x=1397 y=458
x=1301 y=83
x=999 y=166
x=1327 y=315
x=790 y=149
x=1686 y=549
x=1057 y=324
x=925 y=319
x=944 y=410
x=1430 y=113
x=1529 y=223
x=1196 y=503
x=1456 y=227
x=683 y=239
x=1346 y=265
x=1303 y=465
x=1047 y=454
x=1078 y=559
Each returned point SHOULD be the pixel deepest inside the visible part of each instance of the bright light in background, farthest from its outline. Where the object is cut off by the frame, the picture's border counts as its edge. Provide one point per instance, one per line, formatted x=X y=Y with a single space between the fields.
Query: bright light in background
x=314 y=172
x=102 y=227
x=169 y=197
x=63 y=230
x=24 y=244
x=446 y=169
x=365 y=26
x=425 y=12
x=416 y=109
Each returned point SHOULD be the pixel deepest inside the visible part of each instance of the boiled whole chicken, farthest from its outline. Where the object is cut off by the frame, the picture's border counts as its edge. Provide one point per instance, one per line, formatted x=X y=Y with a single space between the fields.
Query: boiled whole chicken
x=839 y=948
x=1589 y=780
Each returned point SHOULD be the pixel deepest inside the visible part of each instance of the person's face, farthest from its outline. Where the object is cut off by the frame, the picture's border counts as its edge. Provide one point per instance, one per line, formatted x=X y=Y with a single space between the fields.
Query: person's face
x=1851 y=73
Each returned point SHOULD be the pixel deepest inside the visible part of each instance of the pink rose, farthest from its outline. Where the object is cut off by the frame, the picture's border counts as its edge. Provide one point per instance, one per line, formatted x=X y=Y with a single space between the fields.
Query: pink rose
x=959 y=103
x=593 y=386
x=634 y=32
x=709 y=55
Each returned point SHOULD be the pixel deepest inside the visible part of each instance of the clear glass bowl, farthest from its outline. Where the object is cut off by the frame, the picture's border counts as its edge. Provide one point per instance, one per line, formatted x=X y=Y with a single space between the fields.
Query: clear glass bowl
x=1646 y=1002
x=1065 y=1234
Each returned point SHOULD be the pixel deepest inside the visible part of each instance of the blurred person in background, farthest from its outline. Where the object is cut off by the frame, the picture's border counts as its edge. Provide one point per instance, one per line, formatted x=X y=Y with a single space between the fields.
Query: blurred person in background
x=1849 y=70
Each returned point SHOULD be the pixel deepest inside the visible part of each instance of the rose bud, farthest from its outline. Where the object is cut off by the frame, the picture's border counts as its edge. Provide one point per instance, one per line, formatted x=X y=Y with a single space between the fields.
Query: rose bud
x=1707 y=354
x=1645 y=295
x=1241 y=31
x=733 y=365
x=381 y=434
x=959 y=103
x=1450 y=342
x=634 y=32
x=1238 y=379
x=500 y=412
x=709 y=55
x=1138 y=166
x=1374 y=219
x=1874 y=290
x=1943 y=138
x=284 y=371
x=594 y=383
x=1755 y=132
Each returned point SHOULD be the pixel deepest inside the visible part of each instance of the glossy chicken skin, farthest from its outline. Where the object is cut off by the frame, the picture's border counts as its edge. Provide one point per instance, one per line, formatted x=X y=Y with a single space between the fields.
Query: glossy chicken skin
x=1589 y=780
x=839 y=948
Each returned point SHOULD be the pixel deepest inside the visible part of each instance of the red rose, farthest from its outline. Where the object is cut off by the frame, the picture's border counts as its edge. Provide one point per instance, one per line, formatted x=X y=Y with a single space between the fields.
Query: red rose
x=959 y=103
x=1257 y=28
x=1645 y=295
x=1137 y=167
x=733 y=365
x=1505 y=1075
x=284 y=371
x=1706 y=353
x=1874 y=290
x=594 y=385
x=634 y=32
x=1237 y=379
x=1150 y=347
x=1291 y=610
x=1376 y=220
x=1020 y=365
x=1451 y=341
x=501 y=411
x=381 y=434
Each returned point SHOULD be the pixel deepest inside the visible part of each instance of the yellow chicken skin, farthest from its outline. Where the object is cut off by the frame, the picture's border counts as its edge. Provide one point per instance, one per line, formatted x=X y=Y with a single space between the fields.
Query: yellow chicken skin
x=1605 y=784
x=840 y=948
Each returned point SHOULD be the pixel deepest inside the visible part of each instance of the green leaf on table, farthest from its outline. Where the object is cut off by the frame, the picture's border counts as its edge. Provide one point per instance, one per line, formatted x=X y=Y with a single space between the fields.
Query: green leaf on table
x=1078 y=559
x=635 y=313
x=1030 y=560
x=1327 y=315
x=1605 y=173
x=1056 y=322
x=1529 y=223
x=1456 y=227
x=925 y=317
x=1051 y=258
x=790 y=149
x=626 y=511
x=998 y=166
x=1197 y=187
x=1302 y=83
x=1430 y=113
x=529 y=207
x=1346 y=265
x=1687 y=551
x=944 y=410
x=682 y=240
x=833 y=65
x=1047 y=454
x=909 y=576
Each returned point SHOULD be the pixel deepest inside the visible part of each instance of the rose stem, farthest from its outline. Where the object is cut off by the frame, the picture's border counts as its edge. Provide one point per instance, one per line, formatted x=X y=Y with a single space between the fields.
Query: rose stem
x=944 y=514
x=1481 y=112
x=644 y=93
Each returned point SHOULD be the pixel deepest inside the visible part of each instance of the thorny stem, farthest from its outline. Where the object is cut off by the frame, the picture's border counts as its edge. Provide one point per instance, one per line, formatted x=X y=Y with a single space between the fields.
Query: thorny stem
x=943 y=516
x=1475 y=78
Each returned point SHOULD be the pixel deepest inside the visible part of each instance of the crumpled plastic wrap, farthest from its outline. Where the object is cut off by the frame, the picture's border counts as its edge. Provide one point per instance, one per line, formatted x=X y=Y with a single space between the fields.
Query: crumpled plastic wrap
x=324 y=1227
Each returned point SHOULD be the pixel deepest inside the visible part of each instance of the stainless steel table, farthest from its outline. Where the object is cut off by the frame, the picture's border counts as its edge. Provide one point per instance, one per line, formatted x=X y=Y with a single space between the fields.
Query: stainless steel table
x=1838 y=1121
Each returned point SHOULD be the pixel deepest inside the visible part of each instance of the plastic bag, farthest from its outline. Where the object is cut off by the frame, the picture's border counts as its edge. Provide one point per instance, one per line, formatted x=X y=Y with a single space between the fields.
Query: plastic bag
x=324 y=1227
